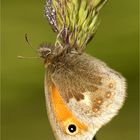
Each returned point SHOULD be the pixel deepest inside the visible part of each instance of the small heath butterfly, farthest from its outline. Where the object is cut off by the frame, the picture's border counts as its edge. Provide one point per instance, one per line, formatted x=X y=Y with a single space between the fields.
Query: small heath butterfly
x=82 y=93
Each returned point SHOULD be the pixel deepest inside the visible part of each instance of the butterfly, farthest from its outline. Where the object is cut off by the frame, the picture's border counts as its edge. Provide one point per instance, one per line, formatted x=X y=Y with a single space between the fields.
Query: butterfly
x=82 y=93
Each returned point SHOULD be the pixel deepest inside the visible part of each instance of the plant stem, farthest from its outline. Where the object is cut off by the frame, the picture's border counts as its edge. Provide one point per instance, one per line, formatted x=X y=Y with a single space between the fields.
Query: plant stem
x=94 y=138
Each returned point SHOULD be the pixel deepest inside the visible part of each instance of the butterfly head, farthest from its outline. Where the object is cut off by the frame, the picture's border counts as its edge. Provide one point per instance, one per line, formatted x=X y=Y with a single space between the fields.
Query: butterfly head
x=45 y=51
x=48 y=53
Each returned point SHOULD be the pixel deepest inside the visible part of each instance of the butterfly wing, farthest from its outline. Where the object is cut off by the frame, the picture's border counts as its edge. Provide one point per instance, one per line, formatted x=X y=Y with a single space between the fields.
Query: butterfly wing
x=92 y=91
x=75 y=21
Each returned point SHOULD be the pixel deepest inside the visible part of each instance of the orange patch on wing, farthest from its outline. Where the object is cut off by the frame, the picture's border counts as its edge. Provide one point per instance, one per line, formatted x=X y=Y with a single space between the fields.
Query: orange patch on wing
x=63 y=115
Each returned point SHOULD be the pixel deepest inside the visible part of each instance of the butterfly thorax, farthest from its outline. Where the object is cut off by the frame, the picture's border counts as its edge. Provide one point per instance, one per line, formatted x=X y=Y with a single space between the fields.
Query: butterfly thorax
x=56 y=56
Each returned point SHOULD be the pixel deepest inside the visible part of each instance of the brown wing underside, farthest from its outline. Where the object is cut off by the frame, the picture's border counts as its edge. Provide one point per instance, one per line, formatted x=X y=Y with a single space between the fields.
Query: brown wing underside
x=88 y=87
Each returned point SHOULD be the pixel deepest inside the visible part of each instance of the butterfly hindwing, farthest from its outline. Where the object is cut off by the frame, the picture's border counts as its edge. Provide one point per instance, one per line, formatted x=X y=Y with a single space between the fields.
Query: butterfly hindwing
x=90 y=89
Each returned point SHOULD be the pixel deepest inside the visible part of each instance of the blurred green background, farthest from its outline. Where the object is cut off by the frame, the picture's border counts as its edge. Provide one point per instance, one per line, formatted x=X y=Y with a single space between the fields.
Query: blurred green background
x=23 y=104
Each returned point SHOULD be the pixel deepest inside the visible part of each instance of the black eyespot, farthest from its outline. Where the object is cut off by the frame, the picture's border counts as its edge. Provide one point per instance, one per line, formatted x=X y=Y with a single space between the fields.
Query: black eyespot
x=72 y=128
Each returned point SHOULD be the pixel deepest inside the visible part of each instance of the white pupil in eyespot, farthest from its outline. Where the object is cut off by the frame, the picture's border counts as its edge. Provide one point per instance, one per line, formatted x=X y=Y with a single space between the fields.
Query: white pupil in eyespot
x=72 y=128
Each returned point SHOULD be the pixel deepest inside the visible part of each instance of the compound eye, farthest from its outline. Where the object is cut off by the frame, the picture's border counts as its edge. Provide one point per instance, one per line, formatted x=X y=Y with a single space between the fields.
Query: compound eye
x=72 y=129
x=44 y=51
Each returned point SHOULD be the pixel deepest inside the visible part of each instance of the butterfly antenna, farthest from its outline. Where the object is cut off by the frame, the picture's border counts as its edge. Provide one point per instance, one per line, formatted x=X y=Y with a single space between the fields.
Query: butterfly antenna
x=27 y=40
x=22 y=57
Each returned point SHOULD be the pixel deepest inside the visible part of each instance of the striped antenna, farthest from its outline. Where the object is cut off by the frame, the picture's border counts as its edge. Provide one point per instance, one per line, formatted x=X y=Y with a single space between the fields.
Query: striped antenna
x=27 y=57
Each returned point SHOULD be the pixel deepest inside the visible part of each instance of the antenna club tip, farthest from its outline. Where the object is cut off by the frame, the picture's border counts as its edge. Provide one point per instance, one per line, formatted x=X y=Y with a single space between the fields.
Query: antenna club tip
x=20 y=57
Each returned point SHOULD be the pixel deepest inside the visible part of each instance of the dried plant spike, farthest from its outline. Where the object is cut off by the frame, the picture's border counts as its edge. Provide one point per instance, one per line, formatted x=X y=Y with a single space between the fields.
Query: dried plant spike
x=75 y=21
